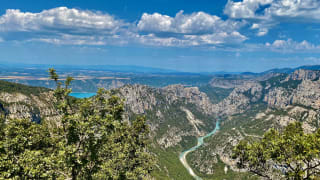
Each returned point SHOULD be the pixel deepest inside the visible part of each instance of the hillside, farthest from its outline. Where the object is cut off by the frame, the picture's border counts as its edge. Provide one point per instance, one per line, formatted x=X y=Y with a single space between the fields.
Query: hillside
x=20 y=88
x=247 y=107
x=19 y=101
x=177 y=115
x=271 y=103
x=247 y=110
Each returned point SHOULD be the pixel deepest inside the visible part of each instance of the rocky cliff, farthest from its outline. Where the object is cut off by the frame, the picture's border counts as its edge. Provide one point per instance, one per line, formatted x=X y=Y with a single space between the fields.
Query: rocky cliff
x=26 y=102
x=254 y=107
x=174 y=111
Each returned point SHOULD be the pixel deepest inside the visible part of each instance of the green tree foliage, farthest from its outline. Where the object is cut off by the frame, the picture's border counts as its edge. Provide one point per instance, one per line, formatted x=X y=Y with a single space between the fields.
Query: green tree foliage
x=289 y=154
x=90 y=141
x=24 y=148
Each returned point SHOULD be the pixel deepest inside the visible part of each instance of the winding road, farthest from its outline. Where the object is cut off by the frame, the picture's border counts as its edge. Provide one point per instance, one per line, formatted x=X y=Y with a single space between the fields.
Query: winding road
x=183 y=155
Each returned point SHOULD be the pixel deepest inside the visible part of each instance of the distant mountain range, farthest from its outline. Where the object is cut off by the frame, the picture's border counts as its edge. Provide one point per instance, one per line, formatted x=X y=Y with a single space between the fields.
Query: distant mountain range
x=287 y=70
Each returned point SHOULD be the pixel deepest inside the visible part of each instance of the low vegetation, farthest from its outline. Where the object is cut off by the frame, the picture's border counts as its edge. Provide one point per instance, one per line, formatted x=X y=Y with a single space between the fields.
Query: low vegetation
x=24 y=89
x=215 y=94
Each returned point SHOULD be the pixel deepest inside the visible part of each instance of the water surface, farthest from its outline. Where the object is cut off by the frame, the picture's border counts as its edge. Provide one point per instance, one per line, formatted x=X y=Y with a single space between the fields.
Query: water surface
x=82 y=94
x=183 y=155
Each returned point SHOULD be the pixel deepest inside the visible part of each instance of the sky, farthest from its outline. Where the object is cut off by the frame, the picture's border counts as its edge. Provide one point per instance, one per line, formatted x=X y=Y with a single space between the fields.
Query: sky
x=183 y=35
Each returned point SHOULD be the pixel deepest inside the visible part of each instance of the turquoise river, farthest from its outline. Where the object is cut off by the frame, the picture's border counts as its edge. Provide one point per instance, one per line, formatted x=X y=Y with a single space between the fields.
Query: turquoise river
x=183 y=155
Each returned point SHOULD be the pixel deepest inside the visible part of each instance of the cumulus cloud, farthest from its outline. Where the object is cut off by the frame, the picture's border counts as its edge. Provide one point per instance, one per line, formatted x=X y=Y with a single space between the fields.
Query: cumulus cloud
x=195 y=23
x=189 y=29
x=245 y=9
x=267 y=13
x=62 y=25
x=262 y=29
x=60 y=18
x=290 y=45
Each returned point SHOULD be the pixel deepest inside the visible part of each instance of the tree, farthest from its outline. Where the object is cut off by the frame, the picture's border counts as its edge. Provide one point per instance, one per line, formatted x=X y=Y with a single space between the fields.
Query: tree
x=24 y=149
x=95 y=141
x=91 y=140
x=289 y=154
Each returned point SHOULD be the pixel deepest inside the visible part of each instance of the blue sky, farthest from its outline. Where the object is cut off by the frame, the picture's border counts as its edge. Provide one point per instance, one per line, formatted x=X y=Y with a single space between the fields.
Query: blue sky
x=185 y=35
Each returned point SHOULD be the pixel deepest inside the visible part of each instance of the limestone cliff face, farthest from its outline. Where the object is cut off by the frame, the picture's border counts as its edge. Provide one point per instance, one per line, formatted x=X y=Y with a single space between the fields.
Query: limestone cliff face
x=302 y=74
x=190 y=95
x=141 y=98
x=138 y=98
x=239 y=100
x=307 y=92
x=171 y=111
x=21 y=106
x=278 y=97
x=302 y=87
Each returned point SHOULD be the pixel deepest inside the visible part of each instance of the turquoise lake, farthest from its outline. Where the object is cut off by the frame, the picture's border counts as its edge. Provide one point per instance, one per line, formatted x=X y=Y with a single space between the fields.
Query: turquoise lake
x=82 y=94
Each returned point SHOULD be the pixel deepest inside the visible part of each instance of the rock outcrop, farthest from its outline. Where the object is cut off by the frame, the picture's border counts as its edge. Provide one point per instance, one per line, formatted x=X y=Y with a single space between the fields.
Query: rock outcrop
x=174 y=111
x=34 y=107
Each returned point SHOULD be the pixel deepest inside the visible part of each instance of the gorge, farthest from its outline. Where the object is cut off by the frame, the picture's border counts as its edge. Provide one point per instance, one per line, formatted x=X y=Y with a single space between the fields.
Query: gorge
x=177 y=115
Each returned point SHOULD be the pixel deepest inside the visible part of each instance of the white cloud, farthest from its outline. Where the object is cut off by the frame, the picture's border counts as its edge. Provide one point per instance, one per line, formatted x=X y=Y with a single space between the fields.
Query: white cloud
x=57 y=19
x=262 y=32
x=62 y=26
x=155 y=22
x=261 y=29
x=83 y=27
x=189 y=30
x=290 y=45
x=245 y=9
x=195 y=23
x=285 y=9
x=267 y=13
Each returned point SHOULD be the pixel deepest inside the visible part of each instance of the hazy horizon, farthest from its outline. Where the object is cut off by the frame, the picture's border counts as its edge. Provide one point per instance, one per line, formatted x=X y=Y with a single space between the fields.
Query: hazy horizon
x=129 y=67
